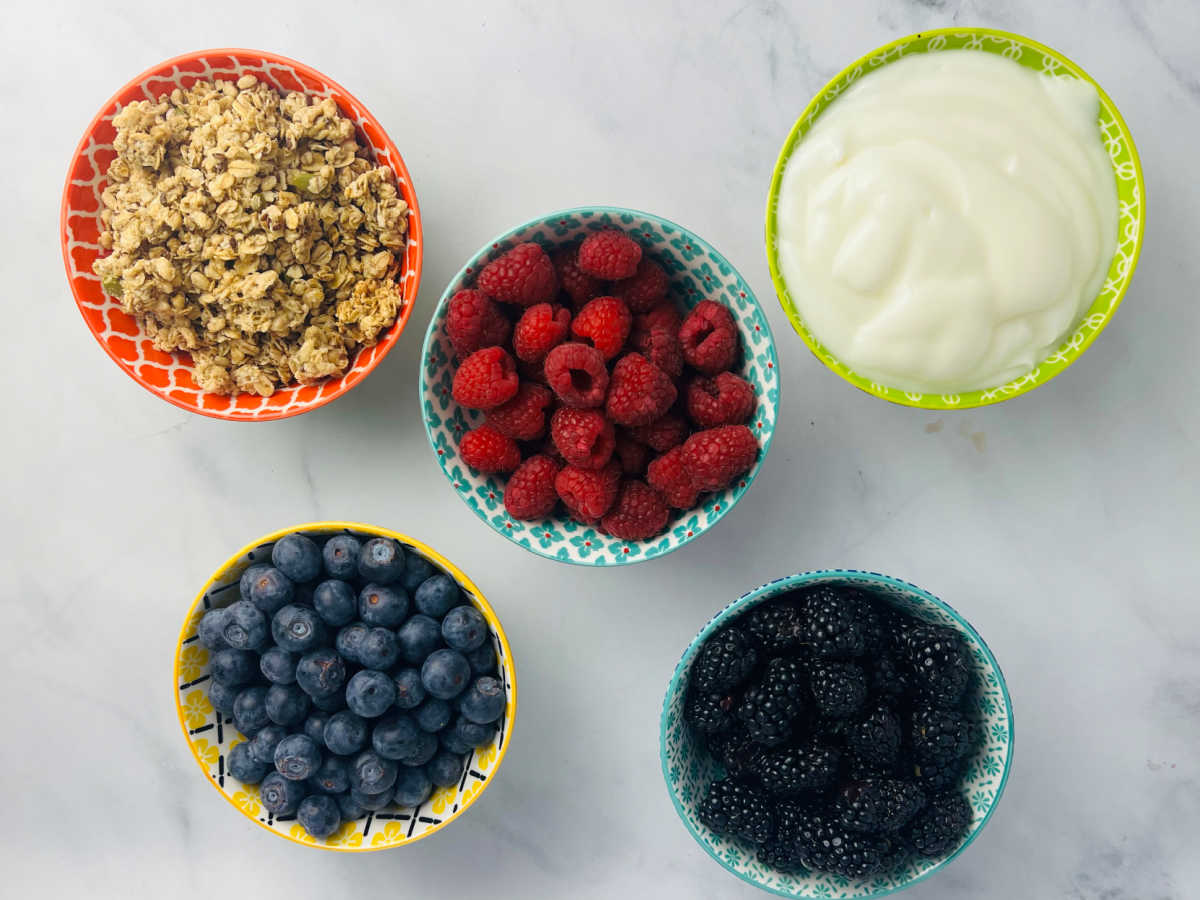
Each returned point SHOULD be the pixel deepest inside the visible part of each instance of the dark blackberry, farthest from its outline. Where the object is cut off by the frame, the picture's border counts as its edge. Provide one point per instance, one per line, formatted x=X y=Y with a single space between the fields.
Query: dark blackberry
x=833 y=622
x=733 y=749
x=876 y=737
x=939 y=663
x=828 y=846
x=777 y=625
x=878 y=625
x=769 y=707
x=838 y=688
x=709 y=713
x=878 y=805
x=939 y=736
x=725 y=661
x=807 y=768
x=737 y=810
x=886 y=679
x=933 y=777
x=940 y=826
x=782 y=852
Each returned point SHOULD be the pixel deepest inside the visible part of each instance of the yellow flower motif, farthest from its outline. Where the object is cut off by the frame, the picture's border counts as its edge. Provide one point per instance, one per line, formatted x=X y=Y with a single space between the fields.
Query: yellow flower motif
x=196 y=708
x=247 y=800
x=192 y=662
x=299 y=833
x=208 y=754
x=443 y=800
x=393 y=833
x=472 y=788
x=237 y=738
x=347 y=835
x=484 y=757
x=194 y=622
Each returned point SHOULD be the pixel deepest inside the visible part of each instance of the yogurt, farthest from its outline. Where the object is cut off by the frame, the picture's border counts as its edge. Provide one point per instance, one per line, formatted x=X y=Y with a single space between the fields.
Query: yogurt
x=948 y=220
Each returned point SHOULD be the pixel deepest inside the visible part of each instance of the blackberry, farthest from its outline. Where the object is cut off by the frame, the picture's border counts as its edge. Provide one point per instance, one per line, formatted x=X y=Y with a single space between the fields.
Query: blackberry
x=939 y=664
x=733 y=749
x=808 y=768
x=876 y=737
x=879 y=624
x=939 y=736
x=737 y=810
x=933 y=777
x=941 y=826
x=726 y=660
x=838 y=688
x=834 y=622
x=777 y=626
x=782 y=852
x=830 y=847
x=769 y=707
x=709 y=713
x=878 y=805
x=886 y=679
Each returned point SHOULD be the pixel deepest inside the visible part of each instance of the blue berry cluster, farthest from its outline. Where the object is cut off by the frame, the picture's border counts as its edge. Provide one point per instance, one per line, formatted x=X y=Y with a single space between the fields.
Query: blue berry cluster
x=359 y=674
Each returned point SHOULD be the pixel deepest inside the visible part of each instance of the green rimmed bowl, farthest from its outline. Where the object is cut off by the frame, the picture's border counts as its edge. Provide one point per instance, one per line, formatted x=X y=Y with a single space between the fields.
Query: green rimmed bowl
x=689 y=770
x=1127 y=171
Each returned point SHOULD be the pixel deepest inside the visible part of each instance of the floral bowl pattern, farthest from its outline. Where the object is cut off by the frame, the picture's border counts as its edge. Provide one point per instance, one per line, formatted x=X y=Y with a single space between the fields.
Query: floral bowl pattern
x=689 y=770
x=697 y=272
x=1131 y=200
x=168 y=375
x=210 y=736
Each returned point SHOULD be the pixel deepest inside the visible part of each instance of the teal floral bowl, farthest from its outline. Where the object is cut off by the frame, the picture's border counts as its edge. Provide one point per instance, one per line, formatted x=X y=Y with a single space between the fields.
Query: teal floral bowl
x=689 y=770
x=697 y=272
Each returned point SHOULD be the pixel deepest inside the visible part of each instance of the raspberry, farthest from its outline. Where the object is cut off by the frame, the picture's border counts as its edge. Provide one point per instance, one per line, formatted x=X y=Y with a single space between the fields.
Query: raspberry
x=485 y=449
x=718 y=455
x=605 y=322
x=529 y=493
x=724 y=399
x=486 y=379
x=639 y=512
x=661 y=347
x=662 y=434
x=523 y=418
x=589 y=492
x=665 y=315
x=577 y=373
x=583 y=436
x=632 y=454
x=474 y=322
x=540 y=329
x=647 y=287
x=524 y=276
x=534 y=372
x=709 y=338
x=669 y=477
x=579 y=287
x=610 y=255
x=639 y=392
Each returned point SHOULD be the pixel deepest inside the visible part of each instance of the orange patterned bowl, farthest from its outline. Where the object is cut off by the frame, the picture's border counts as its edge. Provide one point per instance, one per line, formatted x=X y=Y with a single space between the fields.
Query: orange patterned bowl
x=168 y=375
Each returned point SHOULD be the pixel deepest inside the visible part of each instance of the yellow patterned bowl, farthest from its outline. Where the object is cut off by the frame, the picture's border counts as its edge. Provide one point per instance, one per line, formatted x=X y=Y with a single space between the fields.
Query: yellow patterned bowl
x=1131 y=199
x=210 y=736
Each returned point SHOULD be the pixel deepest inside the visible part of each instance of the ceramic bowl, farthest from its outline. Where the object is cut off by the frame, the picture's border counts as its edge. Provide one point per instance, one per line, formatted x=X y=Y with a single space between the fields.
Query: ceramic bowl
x=689 y=770
x=210 y=736
x=168 y=375
x=697 y=272
x=1131 y=199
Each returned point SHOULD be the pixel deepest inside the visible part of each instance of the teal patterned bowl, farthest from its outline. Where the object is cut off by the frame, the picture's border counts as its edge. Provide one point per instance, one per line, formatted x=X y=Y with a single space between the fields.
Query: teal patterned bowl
x=689 y=770
x=697 y=272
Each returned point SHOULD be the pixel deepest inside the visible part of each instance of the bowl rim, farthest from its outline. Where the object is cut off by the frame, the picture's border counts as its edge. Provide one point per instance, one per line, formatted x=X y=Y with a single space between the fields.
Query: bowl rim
x=967 y=399
x=415 y=237
x=430 y=336
x=790 y=581
x=459 y=576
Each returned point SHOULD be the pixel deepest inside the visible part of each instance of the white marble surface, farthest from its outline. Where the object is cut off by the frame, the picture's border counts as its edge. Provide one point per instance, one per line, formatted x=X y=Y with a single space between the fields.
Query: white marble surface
x=1065 y=524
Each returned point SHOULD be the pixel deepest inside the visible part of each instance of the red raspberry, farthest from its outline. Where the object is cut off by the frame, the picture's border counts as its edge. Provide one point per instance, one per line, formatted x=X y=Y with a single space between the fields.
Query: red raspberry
x=632 y=454
x=724 y=399
x=709 y=338
x=716 y=456
x=639 y=512
x=473 y=322
x=523 y=418
x=524 y=276
x=639 y=392
x=486 y=379
x=605 y=322
x=646 y=288
x=530 y=493
x=577 y=373
x=661 y=347
x=540 y=329
x=579 y=287
x=485 y=449
x=610 y=255
x=663 y=434
x=665 y=315
x=583 y=436
x=588 y=493
x=669 y=476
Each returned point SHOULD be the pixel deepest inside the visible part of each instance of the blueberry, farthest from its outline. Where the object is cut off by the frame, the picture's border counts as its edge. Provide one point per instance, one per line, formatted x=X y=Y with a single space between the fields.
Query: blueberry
x=395 y=736
x=297 y=557
x=370 y=773
x=314 y=726
x=247 y=579
x=345 y=733
x=423 y=751
x=242 y=765
x=222 y=696
x=416 y=570
x=320 y=815
x=374 y=802
x=270 y=590
x=409 y=690
x=464 y=628
x=413 y=787
x=250 y=710
x=453 y=742
x=433 y=715
x=483 y=701
x=384 y=606
x=483 y=659
x=210 y=628
x=297 y=629
x=262 y=745
x=245 y=627
x=437 y=596
x=280 y=796
x=349 y=641
x=369 y=693
x=340 y=555
x=278 y=665
x=286 y=704
x=330 y=703
x=417 y=638
x=350 y=808
x=472 y=733
x=381 y=561
x=334 y=602
x=379 y=649
x=321 y=672
x=445 y=673
x=332 y=776
x=233 y=667
x=297 y=757
x=445 y=769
